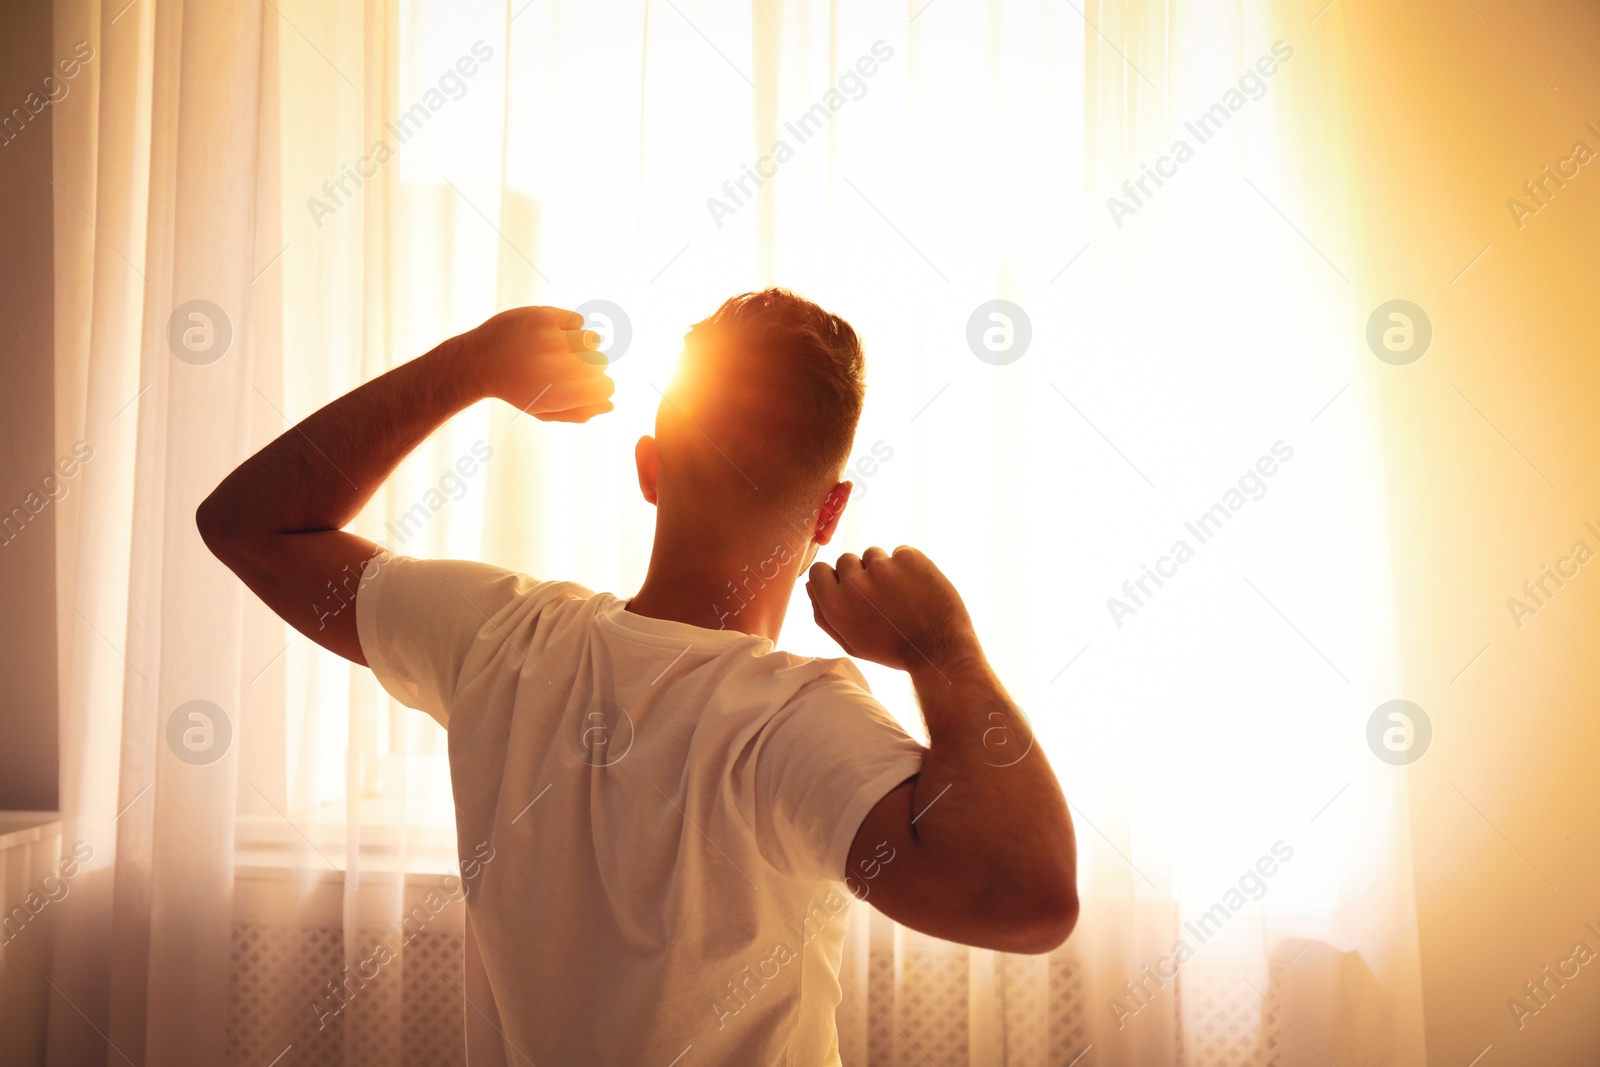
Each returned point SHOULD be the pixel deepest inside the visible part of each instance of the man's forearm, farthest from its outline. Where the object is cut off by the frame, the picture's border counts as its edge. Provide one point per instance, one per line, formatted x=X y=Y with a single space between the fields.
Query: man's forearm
x=986 y=790
x=319 y=474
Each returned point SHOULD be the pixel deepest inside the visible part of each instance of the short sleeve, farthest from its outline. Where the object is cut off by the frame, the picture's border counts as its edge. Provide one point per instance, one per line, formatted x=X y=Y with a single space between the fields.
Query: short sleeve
x=419 y=620
x=825 y=760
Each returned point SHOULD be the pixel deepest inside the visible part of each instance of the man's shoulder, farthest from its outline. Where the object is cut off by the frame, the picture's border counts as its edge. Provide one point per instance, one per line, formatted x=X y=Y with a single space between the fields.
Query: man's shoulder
x=470 y=587
x=797 y=680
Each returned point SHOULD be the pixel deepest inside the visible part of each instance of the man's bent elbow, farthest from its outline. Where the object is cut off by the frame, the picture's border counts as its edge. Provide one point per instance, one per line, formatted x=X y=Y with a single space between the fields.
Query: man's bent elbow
x=1047 y=921
x=217 y=531
x=1060 y=919
x=207 y=521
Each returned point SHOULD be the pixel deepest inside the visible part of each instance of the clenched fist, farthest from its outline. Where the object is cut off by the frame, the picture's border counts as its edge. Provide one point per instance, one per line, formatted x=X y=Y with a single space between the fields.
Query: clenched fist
x=540 y=360
x=898 y=610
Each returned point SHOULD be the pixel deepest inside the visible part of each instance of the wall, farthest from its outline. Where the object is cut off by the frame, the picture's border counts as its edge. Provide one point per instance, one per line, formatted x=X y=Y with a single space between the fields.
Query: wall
x=1490 y=444
x=28 y=757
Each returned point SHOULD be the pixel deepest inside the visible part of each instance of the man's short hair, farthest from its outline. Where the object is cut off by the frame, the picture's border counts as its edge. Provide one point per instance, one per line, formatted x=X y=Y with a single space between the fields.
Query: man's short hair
x=810 y=364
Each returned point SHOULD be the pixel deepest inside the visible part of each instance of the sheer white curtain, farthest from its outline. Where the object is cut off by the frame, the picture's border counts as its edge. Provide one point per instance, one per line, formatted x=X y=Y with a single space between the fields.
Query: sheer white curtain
x=1221 y=726
x=345 y=185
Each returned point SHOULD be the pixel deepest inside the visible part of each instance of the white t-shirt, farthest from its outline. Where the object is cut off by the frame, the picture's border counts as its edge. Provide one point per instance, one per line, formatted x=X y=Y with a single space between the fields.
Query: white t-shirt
x=668 y=812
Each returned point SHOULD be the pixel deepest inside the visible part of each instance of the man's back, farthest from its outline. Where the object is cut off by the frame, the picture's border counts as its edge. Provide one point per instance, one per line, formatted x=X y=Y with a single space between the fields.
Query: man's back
x=669 y=810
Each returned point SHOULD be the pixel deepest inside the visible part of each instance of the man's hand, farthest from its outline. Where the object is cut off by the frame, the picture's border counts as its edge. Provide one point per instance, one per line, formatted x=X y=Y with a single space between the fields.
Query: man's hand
x=540 y=360
x=898 y=610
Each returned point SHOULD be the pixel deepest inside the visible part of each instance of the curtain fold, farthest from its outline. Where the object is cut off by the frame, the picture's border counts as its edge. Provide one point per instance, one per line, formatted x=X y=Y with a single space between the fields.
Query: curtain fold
x=101 y=156
x=336 y=188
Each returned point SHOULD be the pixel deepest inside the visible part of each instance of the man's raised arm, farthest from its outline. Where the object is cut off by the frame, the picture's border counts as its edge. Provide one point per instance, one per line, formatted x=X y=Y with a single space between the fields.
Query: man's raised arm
x=277 y=521
x=981 y=839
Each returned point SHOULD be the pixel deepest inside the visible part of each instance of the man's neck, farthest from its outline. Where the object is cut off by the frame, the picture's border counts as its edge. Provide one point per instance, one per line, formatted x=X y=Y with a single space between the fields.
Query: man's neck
x=750 y=596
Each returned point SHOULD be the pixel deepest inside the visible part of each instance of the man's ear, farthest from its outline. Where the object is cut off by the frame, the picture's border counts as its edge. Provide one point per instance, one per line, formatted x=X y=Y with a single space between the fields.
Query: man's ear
x=832 y=507
x=646 y=458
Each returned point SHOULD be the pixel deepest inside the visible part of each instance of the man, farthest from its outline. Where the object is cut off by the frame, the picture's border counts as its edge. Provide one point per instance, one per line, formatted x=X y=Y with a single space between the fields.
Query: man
x=672 y=802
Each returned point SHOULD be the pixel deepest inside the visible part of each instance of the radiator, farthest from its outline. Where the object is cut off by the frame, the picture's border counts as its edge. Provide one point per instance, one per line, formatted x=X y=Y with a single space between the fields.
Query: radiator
x=908 y=1001
x=33 y=881
x=281 y=971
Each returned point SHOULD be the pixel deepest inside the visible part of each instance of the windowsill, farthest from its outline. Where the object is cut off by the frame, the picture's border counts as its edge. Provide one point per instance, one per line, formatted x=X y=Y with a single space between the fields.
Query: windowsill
x=270 y=843
x=24 y=827
x=281 y=878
